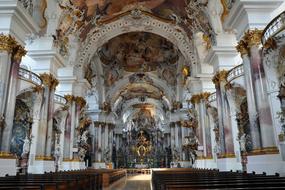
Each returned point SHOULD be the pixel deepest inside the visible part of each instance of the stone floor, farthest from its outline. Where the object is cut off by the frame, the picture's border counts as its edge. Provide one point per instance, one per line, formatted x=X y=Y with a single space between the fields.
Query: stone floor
x=133 y=182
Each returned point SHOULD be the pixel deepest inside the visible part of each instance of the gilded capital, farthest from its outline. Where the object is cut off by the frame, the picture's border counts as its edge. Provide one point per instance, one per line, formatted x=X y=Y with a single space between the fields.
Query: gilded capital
x=253 y=37
x=196 y=99
x=69 y=98
x=49 y=80
x=7 y=43
x=38 y=88
x=205 y=95
x=80 y=101
x=270 y=44
x=106 y=107
x=220 y=77
x=242 y=48
x=19 y=53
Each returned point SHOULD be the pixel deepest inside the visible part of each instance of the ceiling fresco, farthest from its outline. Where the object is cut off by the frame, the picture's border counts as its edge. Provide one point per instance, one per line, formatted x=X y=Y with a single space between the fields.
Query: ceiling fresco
x=138 y=52
x=83 y=15
x=141 y=91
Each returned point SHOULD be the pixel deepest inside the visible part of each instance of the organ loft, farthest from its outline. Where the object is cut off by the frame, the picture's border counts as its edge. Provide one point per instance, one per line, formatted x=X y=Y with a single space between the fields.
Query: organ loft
x=142 y=94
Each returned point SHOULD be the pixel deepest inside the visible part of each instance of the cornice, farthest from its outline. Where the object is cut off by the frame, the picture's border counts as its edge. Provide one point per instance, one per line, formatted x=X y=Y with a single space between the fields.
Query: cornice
x=240 y=13
x=20 y=18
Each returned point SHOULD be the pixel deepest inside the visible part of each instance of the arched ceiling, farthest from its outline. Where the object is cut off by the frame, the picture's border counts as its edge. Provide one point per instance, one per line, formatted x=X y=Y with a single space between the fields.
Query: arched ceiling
x=136 y=51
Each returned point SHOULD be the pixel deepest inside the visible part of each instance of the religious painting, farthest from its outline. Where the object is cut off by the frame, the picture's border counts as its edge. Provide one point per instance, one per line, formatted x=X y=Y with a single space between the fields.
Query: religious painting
x=138 y=52
x=83 y=15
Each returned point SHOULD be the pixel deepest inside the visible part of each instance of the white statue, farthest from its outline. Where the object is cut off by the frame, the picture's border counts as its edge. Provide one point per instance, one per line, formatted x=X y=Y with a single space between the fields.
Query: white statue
x=242 y=142
x=84 y=136
x=216 y=10
x=200 y=45
x=26 y=146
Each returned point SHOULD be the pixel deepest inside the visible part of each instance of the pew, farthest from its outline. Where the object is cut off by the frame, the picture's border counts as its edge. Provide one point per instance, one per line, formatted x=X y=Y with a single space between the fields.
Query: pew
x=88 y=179
x=178 y=179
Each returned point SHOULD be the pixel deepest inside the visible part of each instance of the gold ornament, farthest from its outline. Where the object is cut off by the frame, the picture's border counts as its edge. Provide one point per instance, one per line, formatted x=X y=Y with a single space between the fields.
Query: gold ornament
x=37 y=88
x=49 y=80
x=7 y=43
x=242 y=48
x=69 y=98
x=196 y=99
x=226 y=10
x=253 y=37
x=270 y=43
x=207 y=40
x=19 y=53
x=80 y=101
x=220 y=77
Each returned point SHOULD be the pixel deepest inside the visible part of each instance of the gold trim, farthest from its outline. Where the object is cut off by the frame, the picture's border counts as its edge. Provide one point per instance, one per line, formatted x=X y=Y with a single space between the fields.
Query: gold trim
x=43 y=8
x=7 y=155
x=205 y=158
x=263 y=151
x=44 y=158
x=227 y=155
x=226 y=10
x=71 y=160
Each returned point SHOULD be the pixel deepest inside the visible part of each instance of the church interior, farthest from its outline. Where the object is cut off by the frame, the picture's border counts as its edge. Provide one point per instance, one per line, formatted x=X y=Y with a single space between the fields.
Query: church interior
x=186 y=94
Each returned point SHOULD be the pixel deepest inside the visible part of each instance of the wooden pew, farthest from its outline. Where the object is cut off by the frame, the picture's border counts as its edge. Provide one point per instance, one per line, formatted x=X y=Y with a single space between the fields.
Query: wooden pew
x=89 y=179
x=212 y=179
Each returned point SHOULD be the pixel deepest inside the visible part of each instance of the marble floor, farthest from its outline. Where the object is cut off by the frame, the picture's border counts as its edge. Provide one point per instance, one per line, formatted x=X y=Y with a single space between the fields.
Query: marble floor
x=133 y=182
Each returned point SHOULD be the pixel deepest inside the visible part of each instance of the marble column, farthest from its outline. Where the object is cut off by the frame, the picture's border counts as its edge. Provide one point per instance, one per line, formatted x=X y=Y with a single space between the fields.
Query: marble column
x=225 y=126
x=64 y=116
x=106 y=133
x=172 y=135
x=100 y=143
x=46 y=129
x=12 y=54
x=38 y=90
x=253 y=39
x=252 y=109
x=68 y=128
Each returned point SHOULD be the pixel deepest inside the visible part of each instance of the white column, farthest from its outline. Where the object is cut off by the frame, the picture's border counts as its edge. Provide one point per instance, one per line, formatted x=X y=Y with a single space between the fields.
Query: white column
x=35 y=127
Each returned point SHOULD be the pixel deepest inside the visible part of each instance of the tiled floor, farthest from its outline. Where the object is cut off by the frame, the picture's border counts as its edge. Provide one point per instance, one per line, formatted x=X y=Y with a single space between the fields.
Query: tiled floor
x=134 y=182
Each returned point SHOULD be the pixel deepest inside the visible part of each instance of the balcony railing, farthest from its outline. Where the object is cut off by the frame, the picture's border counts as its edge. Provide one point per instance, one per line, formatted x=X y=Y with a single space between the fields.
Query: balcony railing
x=274 y=27
x=29 y=76
x=59 y=99
x=212 y=97
x=235 y=73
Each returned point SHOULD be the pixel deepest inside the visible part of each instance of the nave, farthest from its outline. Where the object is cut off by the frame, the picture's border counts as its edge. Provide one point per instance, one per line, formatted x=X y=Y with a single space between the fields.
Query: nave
x=97 y=93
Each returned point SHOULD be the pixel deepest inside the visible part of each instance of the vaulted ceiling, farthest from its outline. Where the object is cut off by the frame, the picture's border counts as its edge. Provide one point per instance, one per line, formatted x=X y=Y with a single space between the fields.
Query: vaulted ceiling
x=132 y=67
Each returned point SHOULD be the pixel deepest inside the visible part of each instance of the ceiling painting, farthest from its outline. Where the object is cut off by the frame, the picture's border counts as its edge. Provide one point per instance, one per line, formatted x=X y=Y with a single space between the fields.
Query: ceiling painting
x=138 y=52
x=141 y=91
x=83 y=15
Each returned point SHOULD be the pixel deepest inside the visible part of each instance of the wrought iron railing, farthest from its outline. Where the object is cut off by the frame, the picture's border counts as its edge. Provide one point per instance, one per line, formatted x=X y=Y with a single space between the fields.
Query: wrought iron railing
x=29 y=76
x=59 y=99
x=212 y=97
x=235 y=73
x=274 y=27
